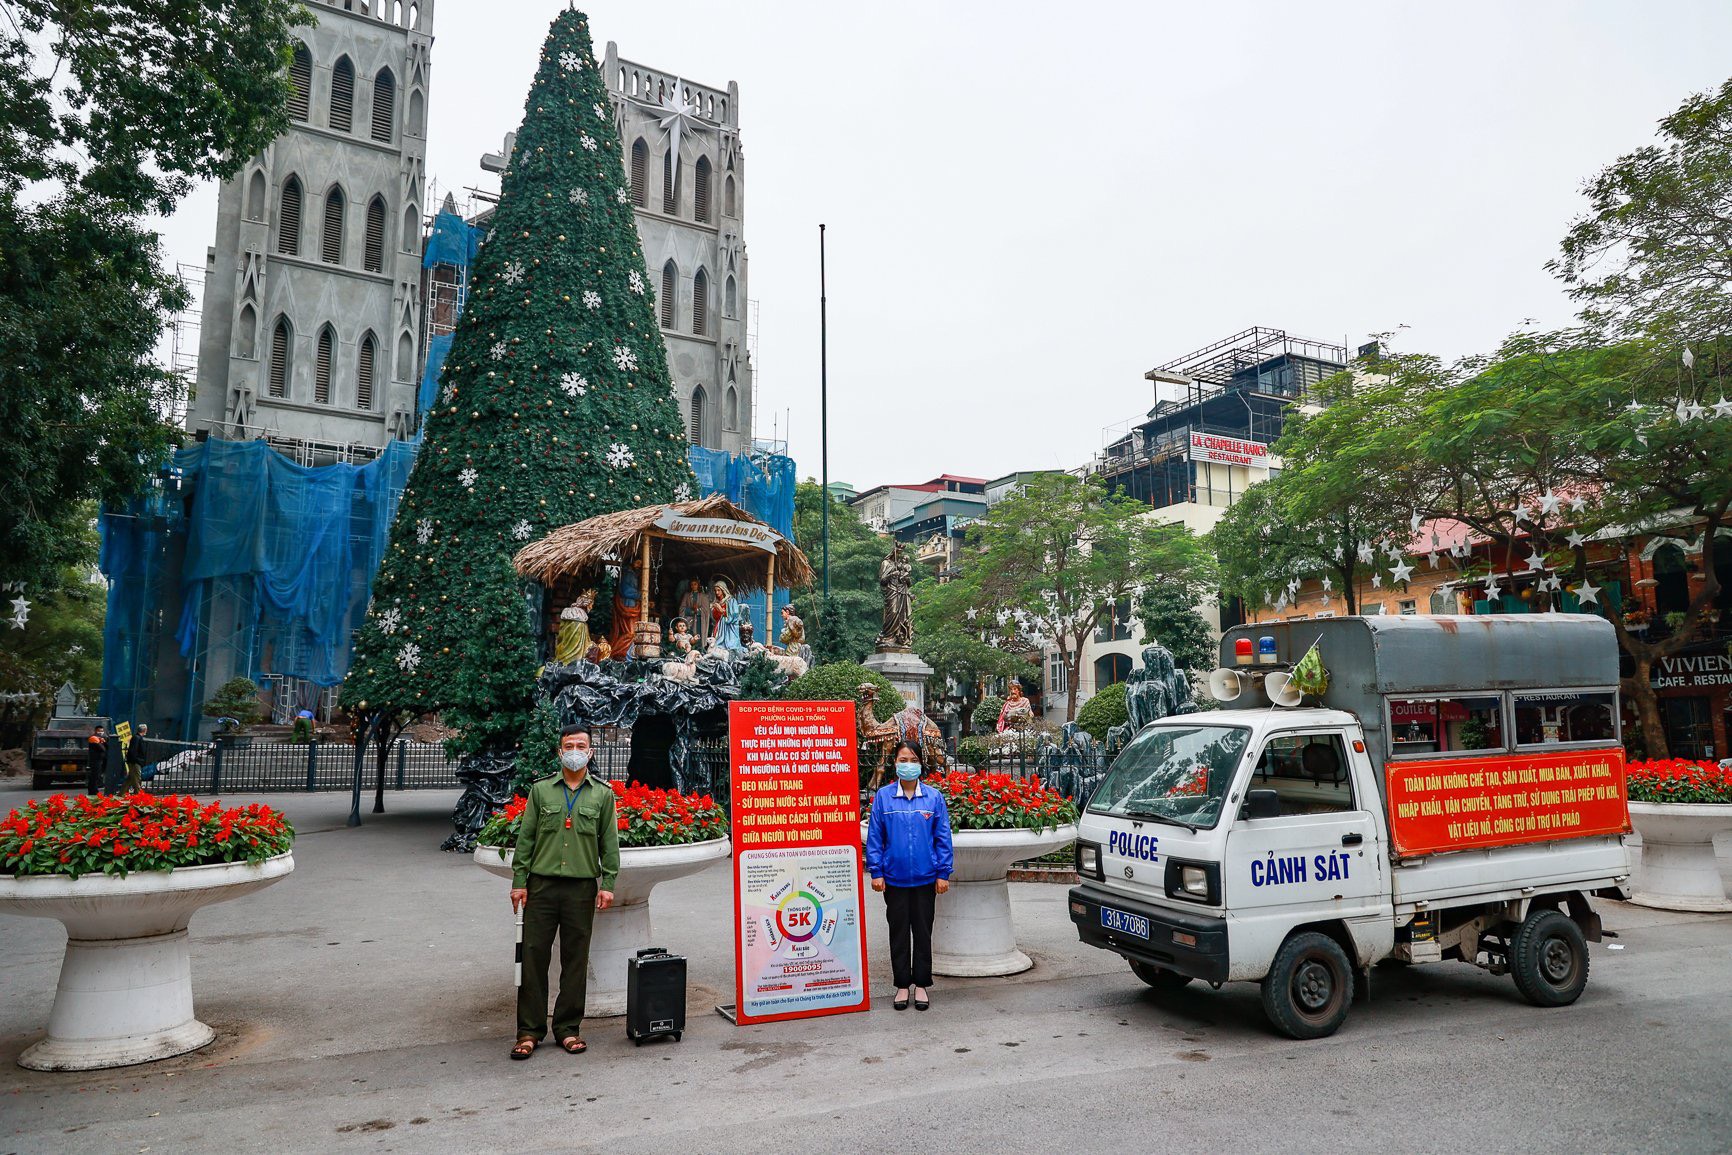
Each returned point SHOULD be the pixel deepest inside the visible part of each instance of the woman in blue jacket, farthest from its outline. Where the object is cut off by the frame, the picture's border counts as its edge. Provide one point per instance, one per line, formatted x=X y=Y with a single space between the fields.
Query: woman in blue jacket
x=909 y=857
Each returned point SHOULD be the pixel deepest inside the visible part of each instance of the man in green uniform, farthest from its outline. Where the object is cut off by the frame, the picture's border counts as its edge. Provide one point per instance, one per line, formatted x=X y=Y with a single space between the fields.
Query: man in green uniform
x=564 y=869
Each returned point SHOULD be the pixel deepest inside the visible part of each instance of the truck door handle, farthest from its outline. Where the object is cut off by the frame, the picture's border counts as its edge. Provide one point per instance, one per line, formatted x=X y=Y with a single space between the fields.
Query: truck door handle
x=1352 y=839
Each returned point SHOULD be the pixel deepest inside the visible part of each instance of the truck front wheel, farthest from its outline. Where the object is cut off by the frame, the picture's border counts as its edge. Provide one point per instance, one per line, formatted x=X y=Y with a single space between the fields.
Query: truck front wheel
x=1309 y=988
x=1160 y=978
x=1549 y=959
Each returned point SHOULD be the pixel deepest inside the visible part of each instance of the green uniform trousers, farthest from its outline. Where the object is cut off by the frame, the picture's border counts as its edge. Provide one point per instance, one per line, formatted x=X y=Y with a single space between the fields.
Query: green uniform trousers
x=563 y=906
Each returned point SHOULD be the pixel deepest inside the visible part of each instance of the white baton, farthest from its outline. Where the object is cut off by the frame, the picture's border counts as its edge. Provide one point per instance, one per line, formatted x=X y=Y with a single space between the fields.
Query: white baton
x=518 y=978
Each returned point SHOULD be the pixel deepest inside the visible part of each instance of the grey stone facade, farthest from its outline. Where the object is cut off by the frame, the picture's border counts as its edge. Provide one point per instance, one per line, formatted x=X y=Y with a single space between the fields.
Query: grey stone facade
x=692 y=231
x=302 y=323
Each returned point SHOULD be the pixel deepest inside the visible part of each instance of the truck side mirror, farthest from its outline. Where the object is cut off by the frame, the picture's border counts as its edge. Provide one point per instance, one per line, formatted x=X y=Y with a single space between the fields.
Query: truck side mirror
x=1262 y=804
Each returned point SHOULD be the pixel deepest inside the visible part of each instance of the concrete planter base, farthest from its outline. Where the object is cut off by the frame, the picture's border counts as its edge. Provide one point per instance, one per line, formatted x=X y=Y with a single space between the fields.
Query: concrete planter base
x=1679 y=871
x=624 y=928
x=125 y=992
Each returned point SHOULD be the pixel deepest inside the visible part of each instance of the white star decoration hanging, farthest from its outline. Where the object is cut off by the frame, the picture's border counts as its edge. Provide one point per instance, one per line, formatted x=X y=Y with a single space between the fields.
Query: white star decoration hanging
x=1431 y=560
x=972 y=613
x=1522 y=513
x=521 y=530
x=498 y=351
x=390 y=620
x=467 y=478
x=409 y=656
x=1548 y=502
x=574 y=384
x=1376 y=581
x=1536 y=560
x=1401 y=572
x=1575 y=539
x=635 y=280
x=624 y=358
x=587 y=141
x=1723 y=408
x=619 y=455
x=1588 y=593
x=1491 y=587
x=1578 y=504
x=424 y=531
x=677 y=119
x=571 y=62
x=591 y=300
x=20 y=612
x=1328 y=584
x=513 y=272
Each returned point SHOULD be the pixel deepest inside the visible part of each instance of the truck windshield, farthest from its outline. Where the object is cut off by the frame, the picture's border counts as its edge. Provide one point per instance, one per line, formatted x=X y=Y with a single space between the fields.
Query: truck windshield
x=1177 y=774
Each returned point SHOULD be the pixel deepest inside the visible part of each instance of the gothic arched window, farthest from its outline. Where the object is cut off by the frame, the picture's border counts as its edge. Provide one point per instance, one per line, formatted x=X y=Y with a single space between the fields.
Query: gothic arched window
x=696 y=433
x=365 y=366
x=300 y=82
x=700 y=303
x=373 y=258
x=384 y=104
x=282 y=353
x=670 y=285
x=639 y=173
x=289 y=218
x=322 y=366
x=701 y=190
x=331 y=239
x=343 y=95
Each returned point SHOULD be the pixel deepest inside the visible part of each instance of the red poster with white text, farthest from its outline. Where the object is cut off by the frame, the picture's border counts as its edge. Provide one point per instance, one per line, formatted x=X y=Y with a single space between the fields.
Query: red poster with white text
x=1441 y=804
x=799 y=932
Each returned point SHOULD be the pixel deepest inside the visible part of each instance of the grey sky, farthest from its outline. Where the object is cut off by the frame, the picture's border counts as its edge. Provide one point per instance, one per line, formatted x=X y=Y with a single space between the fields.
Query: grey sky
x=1030 y=204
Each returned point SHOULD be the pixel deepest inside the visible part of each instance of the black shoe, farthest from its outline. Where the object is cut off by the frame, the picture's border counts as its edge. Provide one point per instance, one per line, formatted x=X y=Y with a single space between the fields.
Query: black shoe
x=900 y=1004
x=922 y=1004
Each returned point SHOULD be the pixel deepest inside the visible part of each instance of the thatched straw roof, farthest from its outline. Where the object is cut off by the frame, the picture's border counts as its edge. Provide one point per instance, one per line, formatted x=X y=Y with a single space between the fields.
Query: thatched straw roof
x=581 y=550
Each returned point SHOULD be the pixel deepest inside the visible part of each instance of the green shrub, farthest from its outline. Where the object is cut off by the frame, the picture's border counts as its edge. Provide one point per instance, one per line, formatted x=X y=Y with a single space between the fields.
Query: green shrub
x=839 y=682
x=972 y=751
x=1104 y=711
x=985 y=720
x=237 y=698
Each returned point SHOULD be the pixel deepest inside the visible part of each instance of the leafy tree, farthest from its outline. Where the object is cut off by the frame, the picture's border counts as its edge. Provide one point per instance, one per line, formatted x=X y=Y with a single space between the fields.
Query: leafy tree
x=107 y=111
x=846 y=629
x=985 y=717
x=237 y=698
x=840 y=682
x=964 y=648
x=556 y=407
x=1055 y=558
x=1104 y=711
x=1168 y=613
x=62 y=637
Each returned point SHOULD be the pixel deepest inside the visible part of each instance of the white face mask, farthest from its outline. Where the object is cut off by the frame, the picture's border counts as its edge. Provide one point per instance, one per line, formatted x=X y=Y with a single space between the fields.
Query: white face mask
x=908 y=771
x=574 y=760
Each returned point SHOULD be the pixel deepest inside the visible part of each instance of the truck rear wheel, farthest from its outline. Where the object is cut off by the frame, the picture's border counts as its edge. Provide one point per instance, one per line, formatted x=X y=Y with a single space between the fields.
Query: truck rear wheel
x=1309 y=988
x=1549 y=959
x=1160 y=978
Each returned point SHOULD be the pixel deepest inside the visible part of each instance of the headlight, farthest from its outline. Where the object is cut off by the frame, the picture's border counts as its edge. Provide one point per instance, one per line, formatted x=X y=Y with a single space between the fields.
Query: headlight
x=1088 y=859
x=1194 y=881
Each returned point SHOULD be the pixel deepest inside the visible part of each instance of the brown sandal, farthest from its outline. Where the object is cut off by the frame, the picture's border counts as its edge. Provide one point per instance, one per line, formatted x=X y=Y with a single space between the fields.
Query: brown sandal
x=524 y=1048
x=574 y=1045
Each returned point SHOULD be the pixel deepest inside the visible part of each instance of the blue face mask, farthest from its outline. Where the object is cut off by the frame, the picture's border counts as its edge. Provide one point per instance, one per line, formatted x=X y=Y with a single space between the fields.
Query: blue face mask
x=908 y=771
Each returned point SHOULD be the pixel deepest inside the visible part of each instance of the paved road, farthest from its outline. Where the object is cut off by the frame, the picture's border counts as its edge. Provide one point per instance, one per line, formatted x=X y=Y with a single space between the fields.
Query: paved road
x=365 y=1004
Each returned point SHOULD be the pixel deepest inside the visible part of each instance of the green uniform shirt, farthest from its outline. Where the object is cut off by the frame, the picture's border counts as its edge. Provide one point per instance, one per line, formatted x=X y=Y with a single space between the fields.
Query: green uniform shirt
x=590 y=849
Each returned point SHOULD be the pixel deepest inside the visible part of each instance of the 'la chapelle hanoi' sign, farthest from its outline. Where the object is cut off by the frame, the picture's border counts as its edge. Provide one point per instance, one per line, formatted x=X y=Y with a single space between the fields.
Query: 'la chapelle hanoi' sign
x=799 y=939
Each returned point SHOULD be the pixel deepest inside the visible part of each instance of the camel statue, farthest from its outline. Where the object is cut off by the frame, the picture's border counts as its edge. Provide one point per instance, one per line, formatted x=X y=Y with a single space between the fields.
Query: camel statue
x=908 y=724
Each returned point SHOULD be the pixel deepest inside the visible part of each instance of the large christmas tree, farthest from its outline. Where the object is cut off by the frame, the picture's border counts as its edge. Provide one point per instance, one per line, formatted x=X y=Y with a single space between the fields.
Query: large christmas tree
x=556 y=405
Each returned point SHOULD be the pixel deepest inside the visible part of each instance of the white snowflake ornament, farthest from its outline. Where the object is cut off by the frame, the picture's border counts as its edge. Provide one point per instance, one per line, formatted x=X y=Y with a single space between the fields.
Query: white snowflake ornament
x=683 y=492
x=574 y=384
x=620 y=195
x=579 y=196
x=635 y=280
x=591 y=300
x=624 y=358
x=409 y=656
x=448 y=394
x=571 y=61
x=600 y=112
x=521 y=530
x=390 y=620
x=424 y=531
x=620 y=456
x=513 y=272
x=587 y=141
x=467 y=478
x=498 y=351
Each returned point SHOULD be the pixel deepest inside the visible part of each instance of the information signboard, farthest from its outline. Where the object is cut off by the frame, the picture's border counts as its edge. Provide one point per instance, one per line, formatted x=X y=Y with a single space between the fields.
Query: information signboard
x=1439 y=804
x=799 y=934
x=1227 y=450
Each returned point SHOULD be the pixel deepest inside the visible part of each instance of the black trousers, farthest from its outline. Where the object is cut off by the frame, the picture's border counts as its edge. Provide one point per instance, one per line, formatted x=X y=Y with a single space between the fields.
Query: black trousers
x=566 y=907
x=909 y=911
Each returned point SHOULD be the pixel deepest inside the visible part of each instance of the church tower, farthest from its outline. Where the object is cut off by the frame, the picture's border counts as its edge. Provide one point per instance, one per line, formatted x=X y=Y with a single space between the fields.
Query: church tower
x=310 y=335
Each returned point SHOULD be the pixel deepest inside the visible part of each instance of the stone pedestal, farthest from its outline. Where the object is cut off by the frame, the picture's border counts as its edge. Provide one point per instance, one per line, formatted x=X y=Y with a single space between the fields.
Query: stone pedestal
x=905 y=671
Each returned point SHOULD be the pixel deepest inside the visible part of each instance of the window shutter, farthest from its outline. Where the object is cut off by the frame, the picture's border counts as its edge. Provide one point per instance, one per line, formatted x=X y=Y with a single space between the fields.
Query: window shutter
x=670 y=284
x=301 y=81
x=322 y=369
x=700 y=303
x=331 y=243
x=728 y=198
x=701 y=190
x=374 y=258
x=343 y=96
x=670 y=195
x=696 y=435
x=279 y=383
x=364 y=375
x=640 y=173
x=289 y=219
x=384 y=104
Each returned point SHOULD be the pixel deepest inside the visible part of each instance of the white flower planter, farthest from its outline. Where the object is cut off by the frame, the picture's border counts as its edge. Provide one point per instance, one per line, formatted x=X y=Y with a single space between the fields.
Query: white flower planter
x=1679 y=871
x=972 y=933
x=125 y=993
x=622 y=929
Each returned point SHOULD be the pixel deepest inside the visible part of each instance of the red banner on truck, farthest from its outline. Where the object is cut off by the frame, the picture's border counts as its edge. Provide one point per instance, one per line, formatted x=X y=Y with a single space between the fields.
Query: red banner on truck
x=799 y=932
x=1440 y=804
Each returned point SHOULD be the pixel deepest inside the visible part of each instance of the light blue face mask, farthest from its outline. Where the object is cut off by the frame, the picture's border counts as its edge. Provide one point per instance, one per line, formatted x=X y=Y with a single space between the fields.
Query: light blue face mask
x=908 y=771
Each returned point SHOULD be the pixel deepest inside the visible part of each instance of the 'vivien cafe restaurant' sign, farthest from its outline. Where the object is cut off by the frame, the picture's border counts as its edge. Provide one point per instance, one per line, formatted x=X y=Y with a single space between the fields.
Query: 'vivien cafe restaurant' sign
x=1692 y=671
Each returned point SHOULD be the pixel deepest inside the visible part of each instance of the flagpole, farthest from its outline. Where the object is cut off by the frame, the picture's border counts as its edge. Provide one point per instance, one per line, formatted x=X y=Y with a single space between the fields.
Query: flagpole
x=824 y=408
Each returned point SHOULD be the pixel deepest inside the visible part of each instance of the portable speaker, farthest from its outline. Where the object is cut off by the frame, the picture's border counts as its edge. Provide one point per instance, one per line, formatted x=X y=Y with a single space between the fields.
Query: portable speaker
x=655 y=995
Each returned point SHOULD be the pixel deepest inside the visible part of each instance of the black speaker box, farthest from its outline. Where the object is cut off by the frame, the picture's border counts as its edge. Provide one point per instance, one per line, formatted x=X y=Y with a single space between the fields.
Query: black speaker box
x=655 y=995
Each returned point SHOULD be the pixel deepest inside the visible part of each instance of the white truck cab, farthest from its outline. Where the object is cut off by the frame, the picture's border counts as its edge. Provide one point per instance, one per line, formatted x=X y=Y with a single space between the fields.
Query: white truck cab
x=1295 y=845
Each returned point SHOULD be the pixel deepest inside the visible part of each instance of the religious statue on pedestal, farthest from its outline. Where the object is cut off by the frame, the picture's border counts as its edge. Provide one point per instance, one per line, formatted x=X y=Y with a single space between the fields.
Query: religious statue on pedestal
x=572 y=643
x=695 y=608
x=793 y=631
x=627 y=608
x=725 y=618
x=1018 y=712
x=895 y=577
